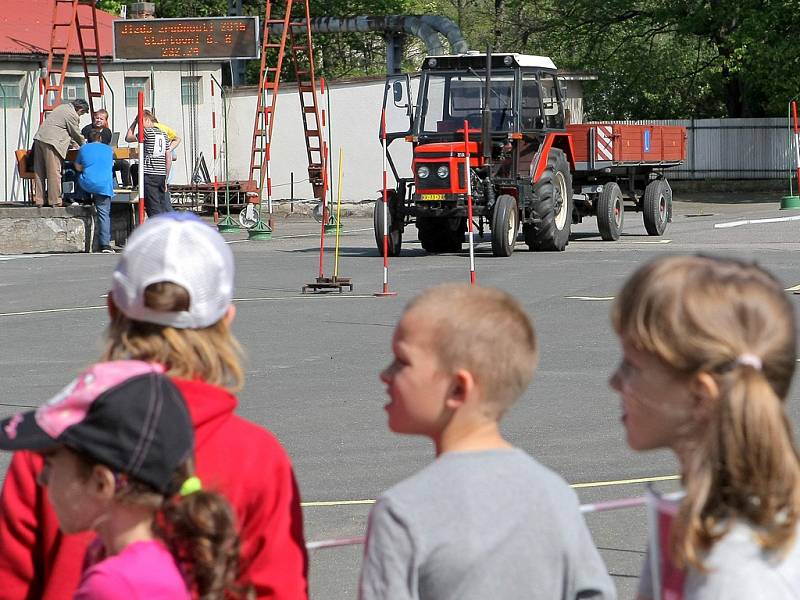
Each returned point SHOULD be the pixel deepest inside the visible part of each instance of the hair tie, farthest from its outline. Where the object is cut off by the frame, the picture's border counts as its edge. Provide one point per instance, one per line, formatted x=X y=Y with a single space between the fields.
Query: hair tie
x=749 y=360
x=191 y=485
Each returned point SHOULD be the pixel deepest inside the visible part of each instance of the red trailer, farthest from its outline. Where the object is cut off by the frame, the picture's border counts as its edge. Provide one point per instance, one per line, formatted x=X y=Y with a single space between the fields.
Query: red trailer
x=615 y=163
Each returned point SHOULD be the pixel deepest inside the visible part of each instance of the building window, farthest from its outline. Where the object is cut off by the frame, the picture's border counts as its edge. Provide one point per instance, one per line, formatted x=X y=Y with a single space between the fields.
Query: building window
x=73 y=88
x=191 y=90
x=134 y=85
x=11 y=92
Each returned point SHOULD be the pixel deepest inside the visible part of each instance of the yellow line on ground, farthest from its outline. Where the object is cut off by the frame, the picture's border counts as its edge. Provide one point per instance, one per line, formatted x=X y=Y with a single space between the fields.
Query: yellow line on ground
x=590 y=484
x=625 y=481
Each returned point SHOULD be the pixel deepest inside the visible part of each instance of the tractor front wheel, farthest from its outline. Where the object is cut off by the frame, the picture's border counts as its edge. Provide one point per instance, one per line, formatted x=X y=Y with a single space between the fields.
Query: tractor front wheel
x=505 y=223
x=395 y=237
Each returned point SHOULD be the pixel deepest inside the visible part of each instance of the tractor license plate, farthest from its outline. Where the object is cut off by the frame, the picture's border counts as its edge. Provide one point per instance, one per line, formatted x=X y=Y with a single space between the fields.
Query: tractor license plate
x=433 y=196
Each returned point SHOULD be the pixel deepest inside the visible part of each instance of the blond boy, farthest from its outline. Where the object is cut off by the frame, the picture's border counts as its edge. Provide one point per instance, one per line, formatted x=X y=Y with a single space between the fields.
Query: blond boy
x=484 y=520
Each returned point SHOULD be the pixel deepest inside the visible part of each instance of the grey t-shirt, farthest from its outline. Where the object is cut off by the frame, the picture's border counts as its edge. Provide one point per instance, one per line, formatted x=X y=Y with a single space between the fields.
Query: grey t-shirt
x=739 y=569
x=481 y=525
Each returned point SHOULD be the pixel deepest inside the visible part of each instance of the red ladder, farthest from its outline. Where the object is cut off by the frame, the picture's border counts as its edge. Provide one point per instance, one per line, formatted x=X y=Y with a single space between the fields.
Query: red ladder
x=79 y=16
x=279 y=13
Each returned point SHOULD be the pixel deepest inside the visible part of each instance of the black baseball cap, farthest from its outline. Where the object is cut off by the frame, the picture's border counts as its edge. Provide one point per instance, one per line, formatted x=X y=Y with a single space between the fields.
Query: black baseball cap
x=125 y=414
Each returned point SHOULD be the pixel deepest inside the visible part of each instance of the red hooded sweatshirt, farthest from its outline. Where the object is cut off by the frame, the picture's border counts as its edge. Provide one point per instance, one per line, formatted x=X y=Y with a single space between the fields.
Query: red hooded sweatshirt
x=241 y=460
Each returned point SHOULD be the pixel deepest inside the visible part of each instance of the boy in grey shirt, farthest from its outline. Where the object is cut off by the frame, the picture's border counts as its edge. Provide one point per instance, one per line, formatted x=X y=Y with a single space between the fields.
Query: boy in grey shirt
x=484 y=520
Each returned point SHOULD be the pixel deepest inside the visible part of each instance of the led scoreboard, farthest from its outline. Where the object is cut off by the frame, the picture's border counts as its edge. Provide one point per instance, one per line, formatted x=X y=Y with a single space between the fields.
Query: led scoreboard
x=204 y=38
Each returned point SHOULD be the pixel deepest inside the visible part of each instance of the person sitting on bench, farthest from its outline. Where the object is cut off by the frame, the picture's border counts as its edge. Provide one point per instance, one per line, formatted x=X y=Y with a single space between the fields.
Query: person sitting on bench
x=94 y=163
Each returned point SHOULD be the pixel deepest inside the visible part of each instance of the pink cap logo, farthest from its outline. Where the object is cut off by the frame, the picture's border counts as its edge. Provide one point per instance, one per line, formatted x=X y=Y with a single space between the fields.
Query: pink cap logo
x=70 y=405
x=11 y=426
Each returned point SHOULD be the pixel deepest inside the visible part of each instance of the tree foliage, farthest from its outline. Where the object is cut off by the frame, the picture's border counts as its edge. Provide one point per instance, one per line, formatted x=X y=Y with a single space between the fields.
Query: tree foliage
x=653 y=58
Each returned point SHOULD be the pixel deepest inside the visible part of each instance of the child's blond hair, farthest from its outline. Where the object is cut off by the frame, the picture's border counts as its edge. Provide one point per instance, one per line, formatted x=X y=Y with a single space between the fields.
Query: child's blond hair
x=484 y=331
x=723 y=317
x=211 y=354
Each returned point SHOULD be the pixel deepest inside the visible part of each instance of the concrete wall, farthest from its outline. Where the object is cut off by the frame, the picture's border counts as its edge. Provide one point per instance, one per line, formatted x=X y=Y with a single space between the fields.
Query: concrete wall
x=20 y=124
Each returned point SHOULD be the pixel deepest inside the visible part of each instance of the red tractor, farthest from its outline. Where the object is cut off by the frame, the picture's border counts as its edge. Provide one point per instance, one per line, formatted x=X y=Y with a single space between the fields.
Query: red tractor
x=527 y=166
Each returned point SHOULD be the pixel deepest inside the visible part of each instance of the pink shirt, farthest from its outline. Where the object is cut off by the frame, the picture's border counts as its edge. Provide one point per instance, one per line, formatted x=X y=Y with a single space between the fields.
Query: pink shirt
x=143 y=570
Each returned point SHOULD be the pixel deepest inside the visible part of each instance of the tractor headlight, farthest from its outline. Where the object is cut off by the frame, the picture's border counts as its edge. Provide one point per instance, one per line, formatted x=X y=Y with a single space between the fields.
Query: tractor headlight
x=423 y=172
x=443 y=172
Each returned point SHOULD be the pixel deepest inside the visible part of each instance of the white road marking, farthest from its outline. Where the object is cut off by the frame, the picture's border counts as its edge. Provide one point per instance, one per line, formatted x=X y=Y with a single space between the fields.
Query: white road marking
x=755 y=221
x=590 y=298
x=305 y=235
x=794 y=288
x=18 y=256
x=646 y=241
x=309 y=296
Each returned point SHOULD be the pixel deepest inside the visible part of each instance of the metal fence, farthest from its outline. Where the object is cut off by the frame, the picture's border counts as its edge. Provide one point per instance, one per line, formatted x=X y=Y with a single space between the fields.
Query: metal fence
x=734 y=148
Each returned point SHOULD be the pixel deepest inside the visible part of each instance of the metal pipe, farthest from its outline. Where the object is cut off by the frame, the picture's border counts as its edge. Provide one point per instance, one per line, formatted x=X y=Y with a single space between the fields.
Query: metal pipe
x=426 y=28
x=5 y=144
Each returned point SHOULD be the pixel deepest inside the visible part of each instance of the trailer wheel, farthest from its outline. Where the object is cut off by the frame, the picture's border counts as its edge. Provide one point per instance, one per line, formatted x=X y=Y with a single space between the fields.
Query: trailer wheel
x=657 y=207
x=552 y=206
x=505 y=223
x=395 y=237
x=610 y=212
x=440 y=235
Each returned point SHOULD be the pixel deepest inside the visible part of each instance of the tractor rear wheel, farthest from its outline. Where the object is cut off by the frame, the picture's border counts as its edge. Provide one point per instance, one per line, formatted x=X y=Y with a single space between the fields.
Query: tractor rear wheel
x=505 y=223
x=610 y=212
x=552 y=206
x=657 y=208
x=395 y=237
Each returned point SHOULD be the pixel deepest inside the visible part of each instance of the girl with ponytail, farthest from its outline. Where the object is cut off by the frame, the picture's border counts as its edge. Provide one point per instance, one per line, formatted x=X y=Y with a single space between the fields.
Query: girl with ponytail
x=709 y=350
x=117 y=444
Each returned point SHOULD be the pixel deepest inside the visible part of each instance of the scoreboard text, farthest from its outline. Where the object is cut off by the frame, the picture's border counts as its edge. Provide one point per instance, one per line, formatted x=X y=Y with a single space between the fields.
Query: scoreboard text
x=205 y=38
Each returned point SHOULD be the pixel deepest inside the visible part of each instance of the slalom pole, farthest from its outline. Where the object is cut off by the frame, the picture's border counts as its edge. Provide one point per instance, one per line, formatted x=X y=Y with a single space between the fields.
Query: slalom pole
x=141 y=157
x=214 y=146
x=324 y=216
x=469 y=204
x=338 y=214
x=385 y=292
x=793 y=200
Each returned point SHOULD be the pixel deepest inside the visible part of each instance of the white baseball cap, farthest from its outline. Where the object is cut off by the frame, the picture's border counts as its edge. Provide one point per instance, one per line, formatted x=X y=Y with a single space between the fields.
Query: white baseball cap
x=180 y=248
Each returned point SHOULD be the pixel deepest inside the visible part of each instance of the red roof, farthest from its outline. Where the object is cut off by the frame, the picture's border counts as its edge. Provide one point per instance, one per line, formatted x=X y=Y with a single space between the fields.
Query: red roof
x=25 y=27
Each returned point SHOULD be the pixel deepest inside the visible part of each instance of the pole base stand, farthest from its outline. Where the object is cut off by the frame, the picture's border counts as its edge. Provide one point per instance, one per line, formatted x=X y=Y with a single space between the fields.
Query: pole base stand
x=260 y=232
x=385 y=293
x=329 y=284
x=790 y=202
x=227 y=225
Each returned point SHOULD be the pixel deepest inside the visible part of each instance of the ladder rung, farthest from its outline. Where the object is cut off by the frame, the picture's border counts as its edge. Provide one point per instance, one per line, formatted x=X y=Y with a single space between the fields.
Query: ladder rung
x=309 y=109
x=67 y=24
x=305 y=88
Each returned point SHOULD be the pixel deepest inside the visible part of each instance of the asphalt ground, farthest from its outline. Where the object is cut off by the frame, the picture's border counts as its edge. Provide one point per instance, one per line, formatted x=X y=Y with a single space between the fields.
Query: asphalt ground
x=313 y=360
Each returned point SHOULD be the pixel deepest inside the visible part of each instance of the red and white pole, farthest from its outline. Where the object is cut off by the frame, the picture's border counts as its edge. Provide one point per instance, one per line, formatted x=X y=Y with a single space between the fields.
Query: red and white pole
x=469 y=203
x=214 y=145
x=385 y=208
x=324 y=211
x=141 y=158
x=796 y=145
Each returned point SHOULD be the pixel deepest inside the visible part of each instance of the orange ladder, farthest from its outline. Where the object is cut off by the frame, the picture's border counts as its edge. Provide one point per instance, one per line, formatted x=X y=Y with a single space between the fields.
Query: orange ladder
x=79 y=16
x=291 y=19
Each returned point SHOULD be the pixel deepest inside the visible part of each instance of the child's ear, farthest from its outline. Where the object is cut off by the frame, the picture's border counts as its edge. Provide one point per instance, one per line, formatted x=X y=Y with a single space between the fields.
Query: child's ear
x=462 y=386
x=705 y=391
x=102 y=483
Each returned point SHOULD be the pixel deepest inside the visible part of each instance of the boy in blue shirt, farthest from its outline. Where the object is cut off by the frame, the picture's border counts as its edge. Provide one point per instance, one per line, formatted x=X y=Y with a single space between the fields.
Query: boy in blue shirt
x=95 y=163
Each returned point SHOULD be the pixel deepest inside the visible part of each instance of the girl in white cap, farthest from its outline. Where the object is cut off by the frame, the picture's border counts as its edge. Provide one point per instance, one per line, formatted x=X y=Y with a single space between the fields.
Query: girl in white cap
x=171 y=304
x=709 y=349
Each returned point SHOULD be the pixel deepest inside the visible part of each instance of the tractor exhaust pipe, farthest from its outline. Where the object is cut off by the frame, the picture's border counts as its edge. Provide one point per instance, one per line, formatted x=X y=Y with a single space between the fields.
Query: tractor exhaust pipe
x=486 y=113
